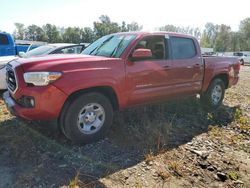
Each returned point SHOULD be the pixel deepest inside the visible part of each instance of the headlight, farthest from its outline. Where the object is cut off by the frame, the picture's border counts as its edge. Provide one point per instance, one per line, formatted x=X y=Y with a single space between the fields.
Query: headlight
x=2 y=66
x=41 y=78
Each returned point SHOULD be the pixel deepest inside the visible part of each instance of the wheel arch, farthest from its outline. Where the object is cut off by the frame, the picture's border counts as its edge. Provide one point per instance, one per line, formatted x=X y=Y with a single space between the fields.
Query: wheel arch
x=224 y=77
x=107 y=91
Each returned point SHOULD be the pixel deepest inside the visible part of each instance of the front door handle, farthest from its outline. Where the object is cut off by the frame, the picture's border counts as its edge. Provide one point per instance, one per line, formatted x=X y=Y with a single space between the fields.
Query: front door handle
x=197 y=65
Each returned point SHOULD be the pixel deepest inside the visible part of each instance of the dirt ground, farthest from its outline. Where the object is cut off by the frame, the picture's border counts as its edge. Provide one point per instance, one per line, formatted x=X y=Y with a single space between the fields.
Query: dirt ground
x=175 y=144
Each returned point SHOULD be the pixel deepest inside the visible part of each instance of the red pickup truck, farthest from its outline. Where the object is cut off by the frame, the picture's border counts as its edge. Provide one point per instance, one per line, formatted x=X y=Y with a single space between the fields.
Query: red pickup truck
x=115 y=72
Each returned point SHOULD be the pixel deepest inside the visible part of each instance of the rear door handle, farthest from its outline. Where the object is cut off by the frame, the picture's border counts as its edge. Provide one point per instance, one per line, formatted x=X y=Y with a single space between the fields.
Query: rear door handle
x=166 y=67
x=197 y=65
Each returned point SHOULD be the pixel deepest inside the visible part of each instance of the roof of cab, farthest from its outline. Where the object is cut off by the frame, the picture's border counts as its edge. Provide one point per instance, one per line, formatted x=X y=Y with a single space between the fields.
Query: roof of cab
x=143 y=33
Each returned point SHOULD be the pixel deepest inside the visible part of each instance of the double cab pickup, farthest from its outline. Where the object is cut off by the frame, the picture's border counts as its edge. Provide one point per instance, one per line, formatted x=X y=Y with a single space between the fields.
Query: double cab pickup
x=115 y=72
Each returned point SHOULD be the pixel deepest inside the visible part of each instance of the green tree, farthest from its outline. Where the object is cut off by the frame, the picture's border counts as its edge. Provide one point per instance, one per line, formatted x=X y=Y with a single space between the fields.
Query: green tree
x=235 y=42
x=52 y=33
x=72 y=35
x=245 y=33
x=169 y=28
x=208 y=36
x=35 y=33
x=105 y=27
x=197 y=32
x=222 y=40
x=87 y=35
x=186 y=30
x=19 y=32
x=134 y=26
x=124 y=27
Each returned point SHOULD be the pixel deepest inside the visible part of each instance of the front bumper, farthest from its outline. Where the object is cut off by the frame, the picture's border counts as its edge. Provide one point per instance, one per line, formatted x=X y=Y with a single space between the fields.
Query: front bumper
x=48 y=103
x=10 y=103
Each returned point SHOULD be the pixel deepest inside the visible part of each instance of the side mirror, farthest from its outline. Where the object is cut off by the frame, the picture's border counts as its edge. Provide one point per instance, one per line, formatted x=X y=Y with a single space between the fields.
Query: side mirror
x=142 y=53
x=21 y=54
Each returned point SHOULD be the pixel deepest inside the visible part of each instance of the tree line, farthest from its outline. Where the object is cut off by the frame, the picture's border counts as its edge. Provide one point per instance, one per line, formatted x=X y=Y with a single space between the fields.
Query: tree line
x=219 y=37
x=53 y=34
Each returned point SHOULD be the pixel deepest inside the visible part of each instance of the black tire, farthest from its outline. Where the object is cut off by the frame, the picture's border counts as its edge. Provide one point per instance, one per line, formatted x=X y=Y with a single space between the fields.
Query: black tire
x=207 y=97
x=69 y=119
x=242 y=62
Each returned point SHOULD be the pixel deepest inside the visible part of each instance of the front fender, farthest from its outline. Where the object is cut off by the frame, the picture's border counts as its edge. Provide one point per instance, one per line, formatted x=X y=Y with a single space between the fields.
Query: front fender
x=73 y=81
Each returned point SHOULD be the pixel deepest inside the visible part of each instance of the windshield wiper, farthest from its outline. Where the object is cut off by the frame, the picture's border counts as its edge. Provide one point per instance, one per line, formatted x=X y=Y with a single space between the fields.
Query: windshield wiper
x=116 y=48
x=98 y=47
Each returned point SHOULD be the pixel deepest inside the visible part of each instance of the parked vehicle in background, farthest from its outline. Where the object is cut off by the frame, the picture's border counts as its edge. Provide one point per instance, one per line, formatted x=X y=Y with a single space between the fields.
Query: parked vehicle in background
x=207 y=51
x=10 y=49
x=60 y=48
x=3 y=61
x=8 y=46
x=57 y=48
x=244 y=58
x=114 y=73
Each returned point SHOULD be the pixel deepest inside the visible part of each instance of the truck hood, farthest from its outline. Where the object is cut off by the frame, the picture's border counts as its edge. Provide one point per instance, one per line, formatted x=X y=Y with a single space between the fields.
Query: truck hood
x=60 y=62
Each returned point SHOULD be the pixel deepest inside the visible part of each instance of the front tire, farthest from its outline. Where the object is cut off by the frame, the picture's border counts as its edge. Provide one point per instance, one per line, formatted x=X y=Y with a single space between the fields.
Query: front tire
x=214 y=95
x=87 y=118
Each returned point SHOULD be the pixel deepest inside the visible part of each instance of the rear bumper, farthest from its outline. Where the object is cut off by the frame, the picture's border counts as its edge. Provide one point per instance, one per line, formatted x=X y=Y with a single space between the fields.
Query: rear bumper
x=48 y=103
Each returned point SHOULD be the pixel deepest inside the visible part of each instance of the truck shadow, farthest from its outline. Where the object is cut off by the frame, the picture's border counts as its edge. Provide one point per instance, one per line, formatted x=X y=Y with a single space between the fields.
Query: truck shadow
x=135 y=133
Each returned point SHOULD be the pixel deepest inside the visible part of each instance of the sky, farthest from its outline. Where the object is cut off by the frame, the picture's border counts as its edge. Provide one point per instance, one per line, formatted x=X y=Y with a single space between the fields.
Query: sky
x=149 y=13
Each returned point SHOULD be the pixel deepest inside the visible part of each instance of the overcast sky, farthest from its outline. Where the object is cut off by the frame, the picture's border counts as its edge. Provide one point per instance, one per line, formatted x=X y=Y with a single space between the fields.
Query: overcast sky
x=149 y=13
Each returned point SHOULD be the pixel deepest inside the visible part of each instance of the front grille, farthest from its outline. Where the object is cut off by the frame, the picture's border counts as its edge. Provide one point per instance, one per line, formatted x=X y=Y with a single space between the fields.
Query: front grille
x=10 y=78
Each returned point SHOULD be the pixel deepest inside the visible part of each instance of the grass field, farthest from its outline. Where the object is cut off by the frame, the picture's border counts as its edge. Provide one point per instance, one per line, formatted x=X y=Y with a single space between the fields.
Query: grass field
x=171 y=144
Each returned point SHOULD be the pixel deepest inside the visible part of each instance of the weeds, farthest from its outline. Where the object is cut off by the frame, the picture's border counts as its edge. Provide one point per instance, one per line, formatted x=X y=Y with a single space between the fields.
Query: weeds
x=210 y=116
x=149 y=157
x=160 y=143
x=233 y=176
x=163 y=175
x=138 y=185
x=74 y=183
x=175 y=168
x=244 y=127
x=238 y=114
x=214 y=131
x=241 y=119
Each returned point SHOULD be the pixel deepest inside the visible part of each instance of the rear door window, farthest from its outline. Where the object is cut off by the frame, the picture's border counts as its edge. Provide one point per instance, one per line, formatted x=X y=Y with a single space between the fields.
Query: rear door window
x=4 y=39
x=182 y=48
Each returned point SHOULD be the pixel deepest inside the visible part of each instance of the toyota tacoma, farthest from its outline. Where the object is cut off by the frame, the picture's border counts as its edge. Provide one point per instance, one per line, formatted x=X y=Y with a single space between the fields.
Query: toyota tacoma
x=115 y=72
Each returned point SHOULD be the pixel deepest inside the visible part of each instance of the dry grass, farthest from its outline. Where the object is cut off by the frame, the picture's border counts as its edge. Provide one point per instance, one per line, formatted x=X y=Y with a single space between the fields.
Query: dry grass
x=175 y=169
x=163 y=174
x=75 y=182
x=149 y=157
x=151 y=129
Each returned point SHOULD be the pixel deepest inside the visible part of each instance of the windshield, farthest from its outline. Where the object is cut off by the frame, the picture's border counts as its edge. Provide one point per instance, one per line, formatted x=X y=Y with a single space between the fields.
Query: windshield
x=42 y=50
x=109 y=46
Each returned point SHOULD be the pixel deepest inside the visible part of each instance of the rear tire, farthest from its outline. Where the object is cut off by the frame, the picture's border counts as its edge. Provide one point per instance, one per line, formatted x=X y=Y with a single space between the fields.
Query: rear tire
x=214 y=95
x=87 y=118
